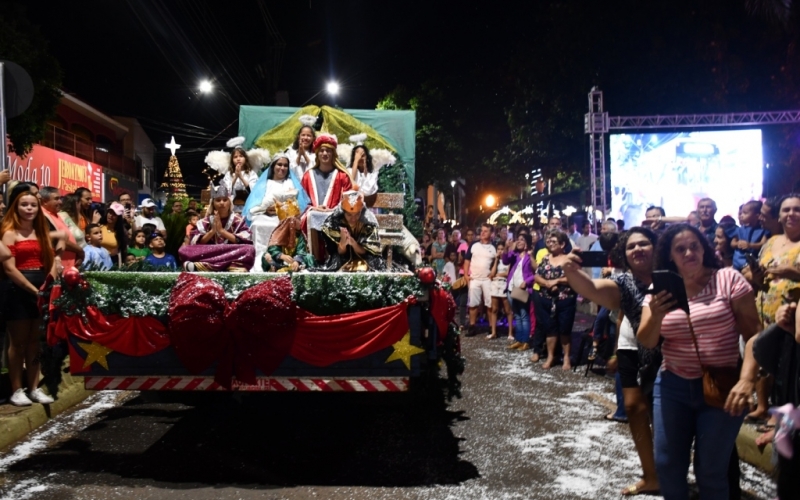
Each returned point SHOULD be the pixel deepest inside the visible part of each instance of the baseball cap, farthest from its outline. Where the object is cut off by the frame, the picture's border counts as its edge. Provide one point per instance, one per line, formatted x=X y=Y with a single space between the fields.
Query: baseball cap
x=147 y=203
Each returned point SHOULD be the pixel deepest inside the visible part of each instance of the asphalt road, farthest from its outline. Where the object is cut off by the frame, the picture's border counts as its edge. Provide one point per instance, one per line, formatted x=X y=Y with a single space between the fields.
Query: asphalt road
x=518 y=432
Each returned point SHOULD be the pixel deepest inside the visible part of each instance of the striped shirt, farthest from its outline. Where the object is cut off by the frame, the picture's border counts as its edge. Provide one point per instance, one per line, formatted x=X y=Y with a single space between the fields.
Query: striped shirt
x=714 y=325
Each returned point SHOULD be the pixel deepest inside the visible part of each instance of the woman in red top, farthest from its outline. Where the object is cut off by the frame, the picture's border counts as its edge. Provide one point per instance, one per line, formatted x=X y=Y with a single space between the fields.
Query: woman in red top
x=26 y=234
x=722 y=308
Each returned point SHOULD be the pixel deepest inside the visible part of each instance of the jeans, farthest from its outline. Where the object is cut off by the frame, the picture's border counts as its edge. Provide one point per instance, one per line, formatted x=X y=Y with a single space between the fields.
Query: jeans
x=522 y=320
x=601 y=322
x=460 y=298
x=681 y=416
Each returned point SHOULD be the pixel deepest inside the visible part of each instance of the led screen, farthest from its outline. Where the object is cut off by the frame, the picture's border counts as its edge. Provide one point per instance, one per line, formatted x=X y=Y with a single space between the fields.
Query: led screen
x=676 y=170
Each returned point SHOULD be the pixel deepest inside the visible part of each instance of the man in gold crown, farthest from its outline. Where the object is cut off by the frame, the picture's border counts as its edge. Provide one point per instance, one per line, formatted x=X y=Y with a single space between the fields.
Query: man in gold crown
x=352 y=238
x=287 y=245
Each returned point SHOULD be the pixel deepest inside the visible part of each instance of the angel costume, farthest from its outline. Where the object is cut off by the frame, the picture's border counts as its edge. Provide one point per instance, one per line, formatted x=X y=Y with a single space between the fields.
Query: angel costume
x=219 y=254
x=298 y=165
x=262 y=197
x=239 y=192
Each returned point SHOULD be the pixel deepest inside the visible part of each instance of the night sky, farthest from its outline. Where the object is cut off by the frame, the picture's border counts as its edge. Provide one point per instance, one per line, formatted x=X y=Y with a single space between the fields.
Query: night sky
x=145 y=58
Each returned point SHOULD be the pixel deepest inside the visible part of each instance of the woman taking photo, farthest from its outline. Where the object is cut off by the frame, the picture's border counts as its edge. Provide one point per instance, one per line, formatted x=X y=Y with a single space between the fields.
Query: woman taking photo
x=555 y=301
x=499 y=275
x=27 y=256
x=626 y=292
x=722 y=308
x=520 y=275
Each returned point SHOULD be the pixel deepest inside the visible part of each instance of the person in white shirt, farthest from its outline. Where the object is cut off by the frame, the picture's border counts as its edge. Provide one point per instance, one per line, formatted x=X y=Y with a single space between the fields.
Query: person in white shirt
x=573 y=233
x=148 y=216
x=587 y=238
x=363 y=173
x=477 y=269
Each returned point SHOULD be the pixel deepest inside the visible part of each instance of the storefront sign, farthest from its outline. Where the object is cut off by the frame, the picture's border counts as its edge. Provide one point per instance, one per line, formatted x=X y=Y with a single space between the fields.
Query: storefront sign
x=48 y=167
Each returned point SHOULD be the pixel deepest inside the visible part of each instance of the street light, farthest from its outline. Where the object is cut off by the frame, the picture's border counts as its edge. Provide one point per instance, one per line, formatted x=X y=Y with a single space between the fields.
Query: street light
x=332 y=88
x=490 y=201
x=206 y=86
x=453 y=185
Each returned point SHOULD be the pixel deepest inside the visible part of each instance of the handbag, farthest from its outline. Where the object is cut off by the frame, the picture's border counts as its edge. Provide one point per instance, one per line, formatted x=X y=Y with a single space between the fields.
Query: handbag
x=717 y=380
x=459 y=283
x=520 y=294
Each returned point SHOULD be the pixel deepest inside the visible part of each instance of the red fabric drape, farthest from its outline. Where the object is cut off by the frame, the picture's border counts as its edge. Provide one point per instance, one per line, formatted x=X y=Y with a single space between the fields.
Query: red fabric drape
x=323 y=340
x=443 y=310
x=257 y=331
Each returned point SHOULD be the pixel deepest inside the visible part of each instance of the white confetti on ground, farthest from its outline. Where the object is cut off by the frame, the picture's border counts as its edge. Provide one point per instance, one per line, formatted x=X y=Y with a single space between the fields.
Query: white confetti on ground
x=58 y=429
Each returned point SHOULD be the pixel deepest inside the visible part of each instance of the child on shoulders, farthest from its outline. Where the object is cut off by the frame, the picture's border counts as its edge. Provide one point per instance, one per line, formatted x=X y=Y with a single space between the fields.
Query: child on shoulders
x=749 y=236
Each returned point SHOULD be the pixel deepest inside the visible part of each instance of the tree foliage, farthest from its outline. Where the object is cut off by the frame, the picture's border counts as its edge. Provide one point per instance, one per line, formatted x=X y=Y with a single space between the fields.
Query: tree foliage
x=22 y=43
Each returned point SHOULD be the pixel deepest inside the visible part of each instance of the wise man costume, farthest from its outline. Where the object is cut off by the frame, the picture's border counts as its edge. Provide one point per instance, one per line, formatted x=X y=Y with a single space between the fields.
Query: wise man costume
x=287 y=239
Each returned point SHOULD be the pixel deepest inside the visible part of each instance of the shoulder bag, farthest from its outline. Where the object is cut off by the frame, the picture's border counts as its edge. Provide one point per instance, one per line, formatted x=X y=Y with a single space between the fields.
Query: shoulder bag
x=717 y=380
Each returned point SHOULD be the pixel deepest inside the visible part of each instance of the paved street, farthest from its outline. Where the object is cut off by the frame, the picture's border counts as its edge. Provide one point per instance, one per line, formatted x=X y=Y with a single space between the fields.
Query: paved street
x=518 y=432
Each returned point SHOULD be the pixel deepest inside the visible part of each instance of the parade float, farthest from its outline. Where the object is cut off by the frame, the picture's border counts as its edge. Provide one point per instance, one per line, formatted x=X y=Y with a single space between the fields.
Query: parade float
x=302 y=331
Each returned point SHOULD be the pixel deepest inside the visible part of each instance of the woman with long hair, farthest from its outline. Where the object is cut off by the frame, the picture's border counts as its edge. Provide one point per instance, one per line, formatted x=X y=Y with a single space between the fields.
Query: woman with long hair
x=626 y=292
x=86 y=214
x=301 y=154
x=555 y=301
x=70 y=213
x=26 y=234
x=722 y=307
x=363 y=173
x=278 y=180
x=722 y=243
x=240 y=179
x=115 y=237
x=520 y=275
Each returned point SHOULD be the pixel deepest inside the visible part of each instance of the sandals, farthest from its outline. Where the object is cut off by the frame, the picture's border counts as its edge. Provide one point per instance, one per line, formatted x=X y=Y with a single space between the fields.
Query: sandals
x=634 y=490
x=765 y=428
x=491 y=336
x=611 y=418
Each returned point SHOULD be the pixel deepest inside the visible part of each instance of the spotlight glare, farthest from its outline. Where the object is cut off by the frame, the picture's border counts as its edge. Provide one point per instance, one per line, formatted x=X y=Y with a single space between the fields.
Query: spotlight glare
x=332 y=88
x=206 y=87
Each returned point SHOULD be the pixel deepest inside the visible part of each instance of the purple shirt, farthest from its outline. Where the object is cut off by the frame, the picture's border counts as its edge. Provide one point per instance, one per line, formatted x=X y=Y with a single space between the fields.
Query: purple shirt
x=511 y=258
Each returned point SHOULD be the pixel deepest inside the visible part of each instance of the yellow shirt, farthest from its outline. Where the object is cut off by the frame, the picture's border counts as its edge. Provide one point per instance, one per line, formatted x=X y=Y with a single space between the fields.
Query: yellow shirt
x=539 y=257
x=109 y=240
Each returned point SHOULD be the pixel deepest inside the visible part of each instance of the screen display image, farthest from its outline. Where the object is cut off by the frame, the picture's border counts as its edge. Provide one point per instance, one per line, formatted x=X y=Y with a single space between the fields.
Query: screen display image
x=675 y=170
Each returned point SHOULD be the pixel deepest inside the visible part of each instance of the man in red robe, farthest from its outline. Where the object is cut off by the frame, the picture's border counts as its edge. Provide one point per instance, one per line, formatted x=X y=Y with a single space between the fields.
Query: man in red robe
x=324 y=182
x=327 y=179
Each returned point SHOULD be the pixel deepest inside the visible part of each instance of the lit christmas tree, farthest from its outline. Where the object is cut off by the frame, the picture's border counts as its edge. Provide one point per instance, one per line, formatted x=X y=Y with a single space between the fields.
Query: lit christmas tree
x=173 y=178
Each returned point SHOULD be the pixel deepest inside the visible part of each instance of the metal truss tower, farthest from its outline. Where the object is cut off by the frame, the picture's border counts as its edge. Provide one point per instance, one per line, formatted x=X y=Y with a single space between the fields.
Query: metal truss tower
x=597 y=124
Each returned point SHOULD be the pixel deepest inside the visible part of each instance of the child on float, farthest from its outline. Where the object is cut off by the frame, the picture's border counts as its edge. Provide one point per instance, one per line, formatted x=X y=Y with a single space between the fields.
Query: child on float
x=28 y=256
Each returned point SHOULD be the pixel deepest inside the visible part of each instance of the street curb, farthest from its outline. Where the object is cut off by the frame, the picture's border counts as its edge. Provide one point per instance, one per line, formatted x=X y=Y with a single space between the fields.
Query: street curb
x=18 y=424
x=752 y=454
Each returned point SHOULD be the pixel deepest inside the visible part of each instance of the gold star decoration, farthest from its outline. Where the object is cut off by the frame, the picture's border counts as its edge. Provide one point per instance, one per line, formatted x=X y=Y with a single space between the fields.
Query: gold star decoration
x=95 y=353
x=403 y=350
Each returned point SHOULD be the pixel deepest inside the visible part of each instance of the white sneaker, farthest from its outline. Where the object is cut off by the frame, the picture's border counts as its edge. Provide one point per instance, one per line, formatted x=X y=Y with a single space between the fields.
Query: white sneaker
x=20 y=399
x=37 y=396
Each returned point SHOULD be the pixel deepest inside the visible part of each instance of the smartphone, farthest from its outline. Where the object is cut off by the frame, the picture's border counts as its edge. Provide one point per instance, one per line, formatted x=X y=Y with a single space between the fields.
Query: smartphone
x=672 y=283
x=752 y=260
x=128 y=206
x=594 y=259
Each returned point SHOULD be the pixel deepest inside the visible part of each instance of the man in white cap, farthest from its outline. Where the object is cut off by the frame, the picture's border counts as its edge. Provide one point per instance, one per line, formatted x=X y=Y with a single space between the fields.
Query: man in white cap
x=148 y=216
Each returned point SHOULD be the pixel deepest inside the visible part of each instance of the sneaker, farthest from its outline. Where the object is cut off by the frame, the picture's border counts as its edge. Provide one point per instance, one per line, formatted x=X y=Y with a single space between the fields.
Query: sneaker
x=20 y=399
x=471 y=331
x=37 y=396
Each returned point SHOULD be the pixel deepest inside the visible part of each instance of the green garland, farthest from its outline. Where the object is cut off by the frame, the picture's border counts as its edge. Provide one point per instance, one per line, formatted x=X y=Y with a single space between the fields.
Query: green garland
x=392 y=179
x=455 y=362
x=147 y=293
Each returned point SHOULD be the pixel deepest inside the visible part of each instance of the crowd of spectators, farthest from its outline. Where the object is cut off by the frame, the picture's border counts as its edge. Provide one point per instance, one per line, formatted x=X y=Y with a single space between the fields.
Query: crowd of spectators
x=740 y=277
